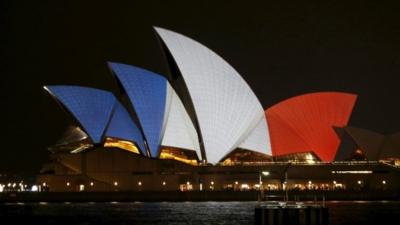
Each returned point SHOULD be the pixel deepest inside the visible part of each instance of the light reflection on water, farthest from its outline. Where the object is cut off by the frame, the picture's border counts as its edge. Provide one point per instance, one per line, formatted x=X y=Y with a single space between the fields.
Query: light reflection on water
x=178 y=213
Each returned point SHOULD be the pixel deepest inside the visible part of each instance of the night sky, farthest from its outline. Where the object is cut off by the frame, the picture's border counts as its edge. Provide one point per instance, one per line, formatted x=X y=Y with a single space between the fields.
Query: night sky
x=281 y=50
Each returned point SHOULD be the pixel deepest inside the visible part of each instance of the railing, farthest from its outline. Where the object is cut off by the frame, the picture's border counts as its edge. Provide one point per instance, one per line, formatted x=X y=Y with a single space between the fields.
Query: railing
x=305 y=163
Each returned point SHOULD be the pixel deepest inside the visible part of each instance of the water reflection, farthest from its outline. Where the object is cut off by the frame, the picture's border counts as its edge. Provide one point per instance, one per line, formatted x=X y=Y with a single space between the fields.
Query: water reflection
x=177 y=213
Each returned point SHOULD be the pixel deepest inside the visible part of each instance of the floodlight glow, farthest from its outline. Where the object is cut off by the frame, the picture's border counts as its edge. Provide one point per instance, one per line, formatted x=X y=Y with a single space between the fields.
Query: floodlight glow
x=265 y=173
x=34 y=188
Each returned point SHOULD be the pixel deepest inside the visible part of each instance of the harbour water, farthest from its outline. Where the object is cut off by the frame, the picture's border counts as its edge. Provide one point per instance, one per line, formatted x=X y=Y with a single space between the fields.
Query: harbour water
x=179 y=213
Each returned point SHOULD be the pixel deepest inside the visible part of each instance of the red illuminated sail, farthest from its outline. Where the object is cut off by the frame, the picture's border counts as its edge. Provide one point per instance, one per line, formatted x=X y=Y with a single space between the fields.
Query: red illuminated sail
x=305 y=123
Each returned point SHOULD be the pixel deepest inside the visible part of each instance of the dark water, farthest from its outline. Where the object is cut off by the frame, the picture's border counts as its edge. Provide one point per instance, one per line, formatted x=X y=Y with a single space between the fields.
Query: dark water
x=177 y=213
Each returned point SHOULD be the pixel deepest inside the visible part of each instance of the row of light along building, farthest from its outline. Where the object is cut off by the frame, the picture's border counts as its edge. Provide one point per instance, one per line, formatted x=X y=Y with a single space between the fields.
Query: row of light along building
x=201 y=127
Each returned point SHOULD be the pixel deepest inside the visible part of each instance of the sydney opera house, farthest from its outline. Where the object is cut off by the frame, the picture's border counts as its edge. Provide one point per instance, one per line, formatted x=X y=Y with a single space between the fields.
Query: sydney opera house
x=201 y=127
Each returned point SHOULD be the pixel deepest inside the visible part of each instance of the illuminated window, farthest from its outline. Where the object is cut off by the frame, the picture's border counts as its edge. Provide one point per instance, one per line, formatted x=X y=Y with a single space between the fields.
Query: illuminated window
x=121 y=144
x=300 y=157
x=186 y=187
x=246 y=157
x=310 y=159
x=185 y=156
x=244 y=187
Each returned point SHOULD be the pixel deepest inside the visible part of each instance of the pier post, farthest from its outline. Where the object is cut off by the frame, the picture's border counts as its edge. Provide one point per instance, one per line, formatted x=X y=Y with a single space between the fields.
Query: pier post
x=291 y=215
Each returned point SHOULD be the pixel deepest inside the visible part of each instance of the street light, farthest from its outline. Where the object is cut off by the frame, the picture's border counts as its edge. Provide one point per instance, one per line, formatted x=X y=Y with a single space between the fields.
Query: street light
x=263 y=173
x=286 y=181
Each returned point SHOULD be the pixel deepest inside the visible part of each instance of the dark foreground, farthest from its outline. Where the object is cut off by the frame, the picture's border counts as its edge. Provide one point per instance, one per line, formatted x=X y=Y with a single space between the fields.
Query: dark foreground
x=177 y=213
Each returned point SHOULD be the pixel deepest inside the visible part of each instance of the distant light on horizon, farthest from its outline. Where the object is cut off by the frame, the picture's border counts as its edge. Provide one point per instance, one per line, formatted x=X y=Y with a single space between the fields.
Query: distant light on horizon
x=353 y=171
x=34 y=188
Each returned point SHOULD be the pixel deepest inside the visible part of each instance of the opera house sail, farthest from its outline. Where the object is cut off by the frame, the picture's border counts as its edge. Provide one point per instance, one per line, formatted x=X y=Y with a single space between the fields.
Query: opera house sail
x=305 y=123
x=228 y=112
x=98 y=113
x=160 y=112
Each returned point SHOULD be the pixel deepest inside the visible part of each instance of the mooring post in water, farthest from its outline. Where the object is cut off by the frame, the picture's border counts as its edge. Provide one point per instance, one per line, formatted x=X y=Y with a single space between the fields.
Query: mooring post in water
x=291 y=215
